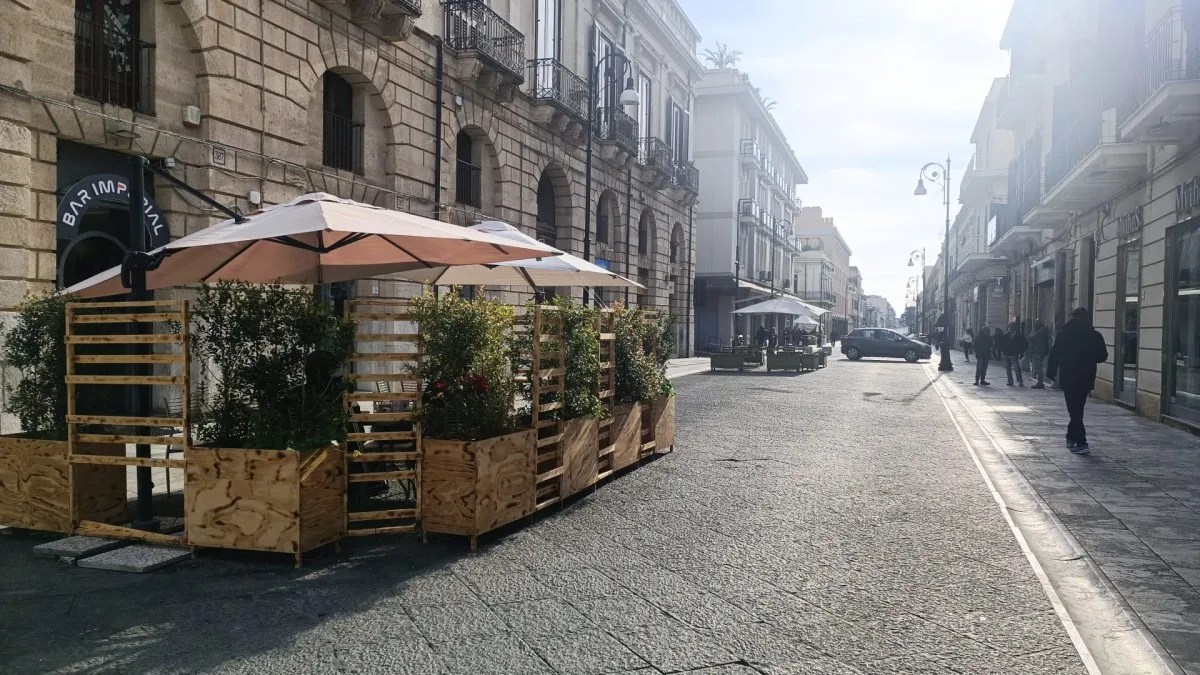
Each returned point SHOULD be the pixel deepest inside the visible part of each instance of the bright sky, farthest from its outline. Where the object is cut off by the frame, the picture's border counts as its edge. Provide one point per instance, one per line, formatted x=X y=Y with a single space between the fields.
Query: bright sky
x=868 y=91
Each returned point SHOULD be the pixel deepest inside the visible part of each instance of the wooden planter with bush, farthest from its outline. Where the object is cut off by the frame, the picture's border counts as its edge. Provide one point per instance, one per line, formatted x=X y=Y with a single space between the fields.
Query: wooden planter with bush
x=478 y=470
x=35 y=484
x=644 y=417
x=267 y=472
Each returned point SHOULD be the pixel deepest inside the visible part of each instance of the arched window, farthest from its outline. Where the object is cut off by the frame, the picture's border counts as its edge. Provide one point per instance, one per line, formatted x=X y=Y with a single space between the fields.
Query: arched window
x=468 y=186
x=547 y=231
x=645 y=232
x=342 y=134
x=676 y=242
x=605 y=218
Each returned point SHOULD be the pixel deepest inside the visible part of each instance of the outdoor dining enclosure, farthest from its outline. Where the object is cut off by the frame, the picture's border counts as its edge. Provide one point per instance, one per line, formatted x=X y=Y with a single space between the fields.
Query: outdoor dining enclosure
x=295 y=426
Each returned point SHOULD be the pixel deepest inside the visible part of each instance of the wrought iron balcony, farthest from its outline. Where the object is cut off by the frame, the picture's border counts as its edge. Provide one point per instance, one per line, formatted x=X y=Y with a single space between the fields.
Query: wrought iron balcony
x=472 y=26
x=1025 y=186
x=816 y=297
x=749 y=152
x=749 y=211
x=615 y=126
x=113 y=67
x=656 y=156
x=1071 y=144
x=552 y=82
x=1167 y=91
x=687 y=178
x=408 y=6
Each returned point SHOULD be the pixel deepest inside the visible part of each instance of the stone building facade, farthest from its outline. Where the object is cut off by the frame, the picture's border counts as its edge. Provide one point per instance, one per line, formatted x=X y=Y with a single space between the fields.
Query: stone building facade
x=455 y=109
x=1102 y=101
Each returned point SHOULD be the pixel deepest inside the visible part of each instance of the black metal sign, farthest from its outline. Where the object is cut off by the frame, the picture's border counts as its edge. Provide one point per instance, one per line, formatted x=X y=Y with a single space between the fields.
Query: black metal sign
x=107 y=187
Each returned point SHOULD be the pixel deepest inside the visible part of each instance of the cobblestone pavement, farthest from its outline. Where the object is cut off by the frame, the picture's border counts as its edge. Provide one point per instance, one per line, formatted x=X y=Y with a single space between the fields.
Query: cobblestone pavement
x=1133 y=503
x=830 y=522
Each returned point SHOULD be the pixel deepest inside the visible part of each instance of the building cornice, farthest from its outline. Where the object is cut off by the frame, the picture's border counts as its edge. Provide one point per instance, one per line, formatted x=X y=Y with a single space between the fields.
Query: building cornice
x=741 y=87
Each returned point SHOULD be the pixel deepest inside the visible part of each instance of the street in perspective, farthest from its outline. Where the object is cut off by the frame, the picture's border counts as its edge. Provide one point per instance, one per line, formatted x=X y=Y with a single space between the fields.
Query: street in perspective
x=582 y=337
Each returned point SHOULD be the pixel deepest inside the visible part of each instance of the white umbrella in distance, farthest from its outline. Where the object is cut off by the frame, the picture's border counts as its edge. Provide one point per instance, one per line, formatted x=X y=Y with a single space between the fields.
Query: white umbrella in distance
x=782 y=305
x=806 y=321
x=562 y=270
x=315 y=239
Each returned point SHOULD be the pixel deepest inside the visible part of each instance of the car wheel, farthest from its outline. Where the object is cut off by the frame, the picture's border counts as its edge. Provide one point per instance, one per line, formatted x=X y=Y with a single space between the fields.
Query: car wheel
x=910 y=356
x=853 y=354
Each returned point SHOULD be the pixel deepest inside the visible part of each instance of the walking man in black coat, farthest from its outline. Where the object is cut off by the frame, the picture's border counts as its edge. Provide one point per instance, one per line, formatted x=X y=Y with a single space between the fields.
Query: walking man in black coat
x=983 y=354
x=1077 y=349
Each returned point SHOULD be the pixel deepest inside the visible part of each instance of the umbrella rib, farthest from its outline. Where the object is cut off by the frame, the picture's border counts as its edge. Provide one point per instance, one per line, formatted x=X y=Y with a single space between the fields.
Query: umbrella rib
x=408 y=253
x=525 y=274
x=225 y=263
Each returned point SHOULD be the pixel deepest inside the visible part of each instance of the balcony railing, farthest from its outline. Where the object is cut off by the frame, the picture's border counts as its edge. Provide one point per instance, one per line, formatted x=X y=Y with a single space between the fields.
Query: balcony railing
x=655 y=153
x=552 y=82
x=613 y=124
x=1171 y=54
x=687 y=176
x=816 y=297
x=749 y=209
x=472 y=25
x=468 y=184
x=749 y=151
x=1005 y=221
x=1025 y=187
x=113 y=67
x=1071 y=145
x=342 y=143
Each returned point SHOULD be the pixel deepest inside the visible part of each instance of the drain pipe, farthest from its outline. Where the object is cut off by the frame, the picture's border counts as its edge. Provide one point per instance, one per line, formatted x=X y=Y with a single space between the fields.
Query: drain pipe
x=628 y=226
x=690 y=298
x=439 y=98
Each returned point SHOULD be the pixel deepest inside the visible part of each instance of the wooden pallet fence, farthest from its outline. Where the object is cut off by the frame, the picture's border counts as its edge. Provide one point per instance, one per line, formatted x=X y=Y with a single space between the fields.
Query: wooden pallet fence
x=35 y=488
x=548 y=376
x=626 y=435
x=130 y=345
x=605 y=439
x=662 y=417
x=384 y=442
x=277 y=501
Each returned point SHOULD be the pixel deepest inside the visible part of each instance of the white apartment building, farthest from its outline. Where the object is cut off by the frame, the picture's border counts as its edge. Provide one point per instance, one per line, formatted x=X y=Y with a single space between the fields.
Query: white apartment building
x=823 y=242
x=745 y=221
x=878 y=312
x=978 y=284
x=1103 y=99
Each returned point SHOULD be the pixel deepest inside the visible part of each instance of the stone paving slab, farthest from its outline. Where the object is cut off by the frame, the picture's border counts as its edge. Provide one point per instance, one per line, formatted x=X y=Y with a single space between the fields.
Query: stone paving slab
x=72 y=548
x=840 y=533
x=135 y=558
x=1130 y=503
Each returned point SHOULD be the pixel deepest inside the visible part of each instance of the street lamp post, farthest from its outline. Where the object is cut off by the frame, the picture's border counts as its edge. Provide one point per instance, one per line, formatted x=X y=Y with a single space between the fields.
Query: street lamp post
x=940 y=175
x=629 y=97
x=919 y=280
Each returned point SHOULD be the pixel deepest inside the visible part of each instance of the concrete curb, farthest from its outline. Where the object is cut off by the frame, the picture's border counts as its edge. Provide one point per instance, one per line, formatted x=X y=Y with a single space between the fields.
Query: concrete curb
x=1107 y=633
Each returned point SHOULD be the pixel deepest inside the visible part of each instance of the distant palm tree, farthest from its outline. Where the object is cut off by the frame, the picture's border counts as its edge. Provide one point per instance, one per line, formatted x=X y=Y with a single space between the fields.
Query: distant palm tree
x=769 y=104
x=722 y=56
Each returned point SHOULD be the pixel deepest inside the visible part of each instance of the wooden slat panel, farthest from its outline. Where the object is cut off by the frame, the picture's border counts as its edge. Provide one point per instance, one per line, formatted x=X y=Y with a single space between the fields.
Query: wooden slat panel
x=383 y=396
x=551 y=474
x=125 y=379
x=382 y=436
x=604 y=474
x=126 y=421
x=384 y=457
x=608 y=336
x=127 y=358
x=549 y=440
x=107 y=460
x=153 y=339
x=381 y=417
x=394 y=514
x=381 y=316
x=148 y=317
x=648 y=446
x=130 y=439
x=399 y=529
x=123 y=304
x=387 y=337
x=549 y=407
x=549 y=502
x=385 y=377
x=380 y=476
x=94 y=529
x=604 y=452
x=384 y=356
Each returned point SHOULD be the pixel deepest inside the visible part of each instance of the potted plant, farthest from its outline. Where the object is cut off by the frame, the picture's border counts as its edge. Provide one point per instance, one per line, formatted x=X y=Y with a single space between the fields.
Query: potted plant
x=635 y=382
x=477 y=468
x=267 y=471
x=662 y=406
x=35 y=490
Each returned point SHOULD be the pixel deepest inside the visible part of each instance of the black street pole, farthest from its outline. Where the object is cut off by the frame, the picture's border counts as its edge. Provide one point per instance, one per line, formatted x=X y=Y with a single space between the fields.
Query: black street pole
x=945 y=366
x=587 y=170
x=137 y=276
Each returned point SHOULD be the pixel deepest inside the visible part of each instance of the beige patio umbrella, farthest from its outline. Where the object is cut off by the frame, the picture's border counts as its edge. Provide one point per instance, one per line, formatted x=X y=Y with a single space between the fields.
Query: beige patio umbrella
x=317 y=238
x=562 y=270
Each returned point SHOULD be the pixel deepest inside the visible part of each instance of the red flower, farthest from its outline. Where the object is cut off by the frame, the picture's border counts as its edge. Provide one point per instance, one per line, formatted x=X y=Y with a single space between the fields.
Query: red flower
x=439 y=385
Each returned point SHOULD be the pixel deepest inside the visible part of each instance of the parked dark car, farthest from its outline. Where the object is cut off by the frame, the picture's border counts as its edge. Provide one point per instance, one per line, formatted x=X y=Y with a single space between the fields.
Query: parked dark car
x=881 y=342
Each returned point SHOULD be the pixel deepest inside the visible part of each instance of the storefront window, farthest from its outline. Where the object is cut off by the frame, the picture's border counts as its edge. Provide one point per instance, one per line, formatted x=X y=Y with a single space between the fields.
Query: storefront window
x=1130 y=257
x=1184 y=364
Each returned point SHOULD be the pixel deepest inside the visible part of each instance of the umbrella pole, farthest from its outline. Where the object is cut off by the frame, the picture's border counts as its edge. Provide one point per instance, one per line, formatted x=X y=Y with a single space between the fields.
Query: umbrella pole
x=140 y=395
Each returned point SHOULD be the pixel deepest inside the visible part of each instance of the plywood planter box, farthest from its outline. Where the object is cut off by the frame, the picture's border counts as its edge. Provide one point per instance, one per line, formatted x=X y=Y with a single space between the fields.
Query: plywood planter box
x=581 y=454
x=278 y=501
x=35 y=492
x=472 y=487
x=626 y=435
x=663 y=415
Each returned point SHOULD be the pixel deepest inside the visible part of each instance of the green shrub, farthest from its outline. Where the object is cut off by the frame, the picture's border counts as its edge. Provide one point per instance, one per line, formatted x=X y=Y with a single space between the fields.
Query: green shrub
x=36 y=346
x=662 y=326
x=275 y=358
x=465 y=367
x=582 y=360
x=637 y=372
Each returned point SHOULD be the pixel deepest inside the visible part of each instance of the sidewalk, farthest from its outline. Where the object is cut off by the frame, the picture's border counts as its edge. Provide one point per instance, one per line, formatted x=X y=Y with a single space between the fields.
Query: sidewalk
x=689 y=366
x=1133 y=504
